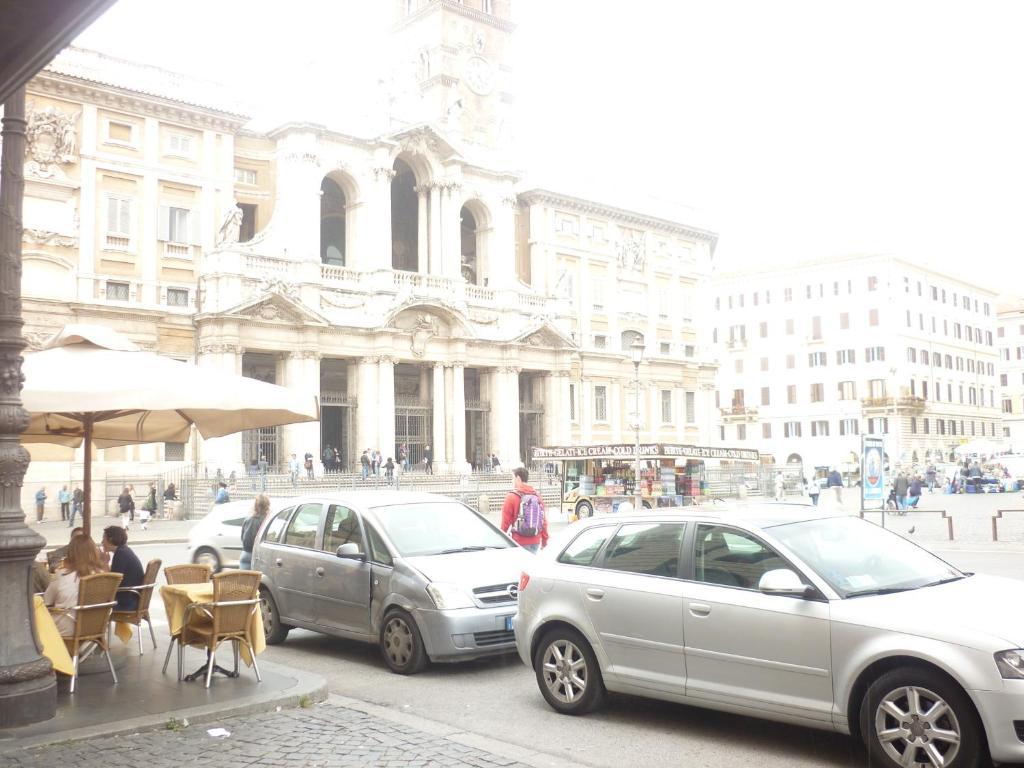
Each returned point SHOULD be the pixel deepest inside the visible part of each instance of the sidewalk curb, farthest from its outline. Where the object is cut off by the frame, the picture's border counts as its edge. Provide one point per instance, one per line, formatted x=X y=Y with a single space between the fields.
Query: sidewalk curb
x=504 y=749
x=307 y=685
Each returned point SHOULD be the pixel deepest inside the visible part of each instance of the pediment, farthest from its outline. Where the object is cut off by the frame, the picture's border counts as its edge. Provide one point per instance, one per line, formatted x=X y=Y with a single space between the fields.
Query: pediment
x=544 y=334
x=276 y=307
x=426 y=139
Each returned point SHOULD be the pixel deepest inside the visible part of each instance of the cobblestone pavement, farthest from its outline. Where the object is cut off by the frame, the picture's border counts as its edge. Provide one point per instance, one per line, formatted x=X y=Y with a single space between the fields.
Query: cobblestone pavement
x=324 y=736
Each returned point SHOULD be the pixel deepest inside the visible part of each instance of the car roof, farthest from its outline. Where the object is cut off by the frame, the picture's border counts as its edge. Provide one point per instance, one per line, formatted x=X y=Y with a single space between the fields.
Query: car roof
x=370 y=499
x=752 y=515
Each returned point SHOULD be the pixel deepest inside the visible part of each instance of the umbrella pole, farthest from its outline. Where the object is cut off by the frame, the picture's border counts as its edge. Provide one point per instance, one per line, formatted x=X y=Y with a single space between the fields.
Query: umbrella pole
x=87 y=478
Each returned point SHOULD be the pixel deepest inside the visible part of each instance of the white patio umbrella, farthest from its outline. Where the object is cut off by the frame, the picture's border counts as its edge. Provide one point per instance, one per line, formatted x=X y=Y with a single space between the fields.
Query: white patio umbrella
x=92 y=385
x=984 y=447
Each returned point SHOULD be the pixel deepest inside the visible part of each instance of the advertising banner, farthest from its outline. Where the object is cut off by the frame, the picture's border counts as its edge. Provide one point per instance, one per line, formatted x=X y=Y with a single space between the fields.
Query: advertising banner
x=647 y=450
x=872 y=472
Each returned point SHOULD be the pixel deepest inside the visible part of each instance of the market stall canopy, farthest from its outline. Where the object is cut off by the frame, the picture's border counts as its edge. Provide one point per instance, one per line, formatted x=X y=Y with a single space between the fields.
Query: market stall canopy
x=134 y=396
x=982 y=447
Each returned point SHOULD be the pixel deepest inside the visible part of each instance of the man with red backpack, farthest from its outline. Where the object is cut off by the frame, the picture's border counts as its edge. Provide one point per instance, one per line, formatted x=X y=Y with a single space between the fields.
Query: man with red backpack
x=523 y=516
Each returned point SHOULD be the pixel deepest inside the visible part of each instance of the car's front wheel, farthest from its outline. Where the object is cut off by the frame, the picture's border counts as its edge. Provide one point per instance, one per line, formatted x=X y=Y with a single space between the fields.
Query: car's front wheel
x=273 y=629
x=207 y=556
x=567 y=672
x=919 y=717
x=401 y=643
x=584 y=509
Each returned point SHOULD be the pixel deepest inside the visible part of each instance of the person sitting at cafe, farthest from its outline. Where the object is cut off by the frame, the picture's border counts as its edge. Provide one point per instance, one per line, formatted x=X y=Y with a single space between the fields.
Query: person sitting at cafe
x=124 y=561
x=55 y=557
x=82 y=559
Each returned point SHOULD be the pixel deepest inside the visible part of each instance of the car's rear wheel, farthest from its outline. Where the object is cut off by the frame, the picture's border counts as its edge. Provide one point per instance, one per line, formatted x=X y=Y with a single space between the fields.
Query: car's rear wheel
x=584 y=509
x=401 y=643
x=567 y=672
x=207 y=556
x=920 y=718
x=273 y=629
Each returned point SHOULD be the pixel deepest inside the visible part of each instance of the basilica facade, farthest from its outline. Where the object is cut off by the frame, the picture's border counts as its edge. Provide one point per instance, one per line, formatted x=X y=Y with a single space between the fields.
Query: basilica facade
x=407 y=275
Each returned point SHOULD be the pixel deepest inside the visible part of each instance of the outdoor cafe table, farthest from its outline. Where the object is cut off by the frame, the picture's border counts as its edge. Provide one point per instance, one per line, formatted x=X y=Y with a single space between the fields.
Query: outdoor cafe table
x=177 y=598
x=53 y=644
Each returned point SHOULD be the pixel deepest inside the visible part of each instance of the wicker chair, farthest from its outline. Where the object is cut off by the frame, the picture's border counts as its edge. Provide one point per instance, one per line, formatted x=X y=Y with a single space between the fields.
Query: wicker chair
x=144 y=592
x=187 y=574
x=96 y=600
x=184 y=574
x=207 y=625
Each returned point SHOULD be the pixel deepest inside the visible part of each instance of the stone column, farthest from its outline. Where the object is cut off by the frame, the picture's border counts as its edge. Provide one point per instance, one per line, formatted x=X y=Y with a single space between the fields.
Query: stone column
x=449 y=410
x=301 y=373
x=434 y=231
x=422 y=222
x=451 y=231
x=564 y=434
x=509 y=409
x=586 y=411
x=458 y=416
x=497 y=402
x=425 y=377
x=375 y=217
x=28 y=689
x=225 y=452
x=437 y=396
x=501 y=245
x=386 y=407
x=366 y=414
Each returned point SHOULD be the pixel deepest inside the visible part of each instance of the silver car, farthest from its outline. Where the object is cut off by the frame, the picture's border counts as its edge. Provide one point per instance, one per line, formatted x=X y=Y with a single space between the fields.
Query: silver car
x=777 y=612
x=424 y=576
x=216 y=540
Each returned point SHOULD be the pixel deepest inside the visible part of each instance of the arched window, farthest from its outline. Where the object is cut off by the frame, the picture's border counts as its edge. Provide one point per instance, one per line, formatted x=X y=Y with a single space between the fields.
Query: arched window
x=629 y=337
x=470 y=262
x=794 y=458
x=404 y=219
x=332 y=222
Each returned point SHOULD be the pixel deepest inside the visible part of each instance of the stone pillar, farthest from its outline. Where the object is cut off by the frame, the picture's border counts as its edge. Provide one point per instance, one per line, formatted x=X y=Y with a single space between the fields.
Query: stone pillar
x=386 y=407
x=301 y=373
x=451 y=232
x=449 y=410
x=498 y=402
x=366 y=414
x=28 y=689
x=458 y=416
x=509 y=409
x=553 y=406
x=586 y=411
x=422 y=222
x=375 y=252
x=225 y=452
x=437 y=396
x=501 y=245
x=425 y=376
x=564 y=435
x=435 y=264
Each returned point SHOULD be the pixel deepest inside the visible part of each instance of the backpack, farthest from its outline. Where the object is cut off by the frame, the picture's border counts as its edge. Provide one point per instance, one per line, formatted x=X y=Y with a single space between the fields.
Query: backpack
x=530 y=521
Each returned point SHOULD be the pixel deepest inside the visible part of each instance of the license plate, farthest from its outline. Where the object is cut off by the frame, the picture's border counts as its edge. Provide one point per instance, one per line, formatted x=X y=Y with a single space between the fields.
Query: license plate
x=508 y=623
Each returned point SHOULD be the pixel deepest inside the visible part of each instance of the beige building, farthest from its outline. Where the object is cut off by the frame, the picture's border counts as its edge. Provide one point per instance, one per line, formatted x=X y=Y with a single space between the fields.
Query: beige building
x=407 y=275
x=1010 y=339
x=816 y=355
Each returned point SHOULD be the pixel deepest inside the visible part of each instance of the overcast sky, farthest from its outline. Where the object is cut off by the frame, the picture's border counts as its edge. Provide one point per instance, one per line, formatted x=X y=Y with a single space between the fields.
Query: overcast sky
x=797 y=129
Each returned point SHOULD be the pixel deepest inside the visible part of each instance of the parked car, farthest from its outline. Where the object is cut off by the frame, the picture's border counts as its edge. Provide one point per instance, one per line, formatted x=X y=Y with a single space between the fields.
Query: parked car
x=827 y=622
x=423 y=576
x=216 y=539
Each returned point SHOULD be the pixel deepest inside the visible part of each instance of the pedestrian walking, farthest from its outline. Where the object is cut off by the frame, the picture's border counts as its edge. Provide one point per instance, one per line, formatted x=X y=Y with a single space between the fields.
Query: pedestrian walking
x=403 y=457
x=389 y=470
x=523 y=515
x=64 y=499
x=929 y=476
x=293 y=470
x=364 y=463
x=77 y=500
x=251 y=526
x=40 y=504
x=223 y=497
x=148 y=507
x=307 y=462
x=495 y=464
x=812 y=490
x=914 y=492
x=328 y=458
x=428 y=460
x=131 y=511
x=337 y=460
x=835 y=482
x=126 y=507
x=901 y=485
x=263 y=468
x=170 y=496
x=780 y=487
x=375 y=462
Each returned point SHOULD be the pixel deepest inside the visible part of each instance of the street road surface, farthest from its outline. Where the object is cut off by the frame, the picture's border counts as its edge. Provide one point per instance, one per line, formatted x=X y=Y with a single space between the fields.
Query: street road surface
x=499 y=698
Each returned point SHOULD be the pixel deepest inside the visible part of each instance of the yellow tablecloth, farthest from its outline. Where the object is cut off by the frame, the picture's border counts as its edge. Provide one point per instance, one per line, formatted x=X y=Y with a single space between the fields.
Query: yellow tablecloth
x=177 y=597
x=53 y=645
x=123 y=631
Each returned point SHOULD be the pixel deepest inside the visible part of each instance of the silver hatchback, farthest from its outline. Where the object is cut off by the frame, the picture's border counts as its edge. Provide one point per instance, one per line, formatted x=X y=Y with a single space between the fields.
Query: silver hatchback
x=777 y=612
x=424 y=576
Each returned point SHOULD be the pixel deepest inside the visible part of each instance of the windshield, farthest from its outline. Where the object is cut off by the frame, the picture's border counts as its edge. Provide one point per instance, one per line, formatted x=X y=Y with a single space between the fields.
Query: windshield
x=860 y=558
x=435 y=528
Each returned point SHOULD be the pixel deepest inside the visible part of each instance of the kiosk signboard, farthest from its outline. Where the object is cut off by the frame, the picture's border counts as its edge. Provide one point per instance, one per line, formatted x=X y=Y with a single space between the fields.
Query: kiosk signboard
x=872 y=472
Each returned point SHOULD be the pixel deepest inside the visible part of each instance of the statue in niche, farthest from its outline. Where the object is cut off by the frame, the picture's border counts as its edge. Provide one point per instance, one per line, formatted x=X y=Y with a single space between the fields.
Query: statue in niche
x=231 y=227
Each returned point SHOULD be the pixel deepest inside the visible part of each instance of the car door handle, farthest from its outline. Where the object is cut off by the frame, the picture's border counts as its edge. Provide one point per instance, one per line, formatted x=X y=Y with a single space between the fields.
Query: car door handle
x=320 y=571
x=700 y=609
x=278 y=562
x=594 y=593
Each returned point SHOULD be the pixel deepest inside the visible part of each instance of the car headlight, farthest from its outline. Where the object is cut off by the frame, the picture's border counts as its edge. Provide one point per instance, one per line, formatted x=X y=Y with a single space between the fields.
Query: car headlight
x=448 y=596
x=1011 y=664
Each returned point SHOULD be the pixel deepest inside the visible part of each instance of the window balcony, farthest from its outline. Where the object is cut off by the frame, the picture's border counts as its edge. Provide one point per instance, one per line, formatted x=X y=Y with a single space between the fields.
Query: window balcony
x=877 y=403
x=739 y=414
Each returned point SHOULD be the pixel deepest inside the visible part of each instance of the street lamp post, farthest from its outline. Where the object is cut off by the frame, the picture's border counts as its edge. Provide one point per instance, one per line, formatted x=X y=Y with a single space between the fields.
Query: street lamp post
x=637 y=351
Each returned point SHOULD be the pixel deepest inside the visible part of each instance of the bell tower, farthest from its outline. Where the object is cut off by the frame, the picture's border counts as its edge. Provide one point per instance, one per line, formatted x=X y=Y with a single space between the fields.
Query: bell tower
x=450 y=68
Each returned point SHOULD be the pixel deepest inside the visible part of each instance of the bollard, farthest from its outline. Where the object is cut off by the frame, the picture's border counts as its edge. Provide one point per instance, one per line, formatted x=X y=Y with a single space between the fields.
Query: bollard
x=483 y=504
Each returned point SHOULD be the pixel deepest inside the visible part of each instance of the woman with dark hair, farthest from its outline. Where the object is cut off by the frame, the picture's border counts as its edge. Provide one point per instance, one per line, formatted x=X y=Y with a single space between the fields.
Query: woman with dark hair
x=250 y=528
x=83 y=559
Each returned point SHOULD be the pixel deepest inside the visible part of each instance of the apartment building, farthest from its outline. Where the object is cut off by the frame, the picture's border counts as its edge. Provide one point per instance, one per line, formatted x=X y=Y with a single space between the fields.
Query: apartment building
x=1010 y=338
x=815 y=355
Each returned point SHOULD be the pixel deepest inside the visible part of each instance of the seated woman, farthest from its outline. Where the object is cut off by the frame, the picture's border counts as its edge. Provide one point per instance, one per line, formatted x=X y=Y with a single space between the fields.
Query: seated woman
x=83 y=559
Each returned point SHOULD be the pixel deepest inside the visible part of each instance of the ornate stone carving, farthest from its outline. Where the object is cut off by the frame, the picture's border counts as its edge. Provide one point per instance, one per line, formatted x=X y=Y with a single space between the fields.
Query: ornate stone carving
x=423 y=331
x=482 y=317
x=270 y=284
x=219 y=348
x=36 y=339
x=341 y=300
x=512 y=201
x=44 y=237
x=632 y=254
x=23 y=673
x=51 y=140
x=230 y=227
x=302 y=157
x=385 y=173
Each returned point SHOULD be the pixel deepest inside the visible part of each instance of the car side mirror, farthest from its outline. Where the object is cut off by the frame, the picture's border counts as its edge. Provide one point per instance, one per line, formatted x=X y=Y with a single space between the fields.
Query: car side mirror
x=350 y=551
x=783 y=581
